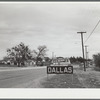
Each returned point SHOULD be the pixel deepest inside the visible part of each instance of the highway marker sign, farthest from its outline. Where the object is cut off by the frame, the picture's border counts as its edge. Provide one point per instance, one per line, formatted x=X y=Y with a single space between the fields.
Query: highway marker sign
x=59 y=69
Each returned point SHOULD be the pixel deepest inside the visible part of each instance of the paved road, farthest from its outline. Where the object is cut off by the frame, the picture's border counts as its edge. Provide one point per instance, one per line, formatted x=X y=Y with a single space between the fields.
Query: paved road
x=20 y=77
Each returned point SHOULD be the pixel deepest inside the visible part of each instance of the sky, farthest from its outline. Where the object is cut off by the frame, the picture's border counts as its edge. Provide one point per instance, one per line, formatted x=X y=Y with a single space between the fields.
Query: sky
x=54 y=24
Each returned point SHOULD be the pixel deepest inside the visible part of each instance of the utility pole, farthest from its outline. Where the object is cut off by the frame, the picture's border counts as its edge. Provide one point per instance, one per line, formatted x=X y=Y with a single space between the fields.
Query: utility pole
x=88 y=58
x=86 y=53
x=52 y=55
x=82 y=47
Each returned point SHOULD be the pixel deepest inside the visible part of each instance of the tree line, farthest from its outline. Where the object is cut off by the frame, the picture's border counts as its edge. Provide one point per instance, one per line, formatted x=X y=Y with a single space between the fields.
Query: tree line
x=78 y=59
x=21 y=53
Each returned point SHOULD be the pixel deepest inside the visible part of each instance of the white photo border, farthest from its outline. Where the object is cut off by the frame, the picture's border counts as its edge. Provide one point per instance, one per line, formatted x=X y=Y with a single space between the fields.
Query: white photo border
x=48 y=93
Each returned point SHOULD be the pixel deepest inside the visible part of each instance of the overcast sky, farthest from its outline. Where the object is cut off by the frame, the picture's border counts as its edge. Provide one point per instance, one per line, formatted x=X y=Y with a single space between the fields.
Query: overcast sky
x=54 y=24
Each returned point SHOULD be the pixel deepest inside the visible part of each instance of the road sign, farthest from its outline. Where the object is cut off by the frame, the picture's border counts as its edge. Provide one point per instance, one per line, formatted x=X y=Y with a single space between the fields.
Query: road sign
x=59 y=69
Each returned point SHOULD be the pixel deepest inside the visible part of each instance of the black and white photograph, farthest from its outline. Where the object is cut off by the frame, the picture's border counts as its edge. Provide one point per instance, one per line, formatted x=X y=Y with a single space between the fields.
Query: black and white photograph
x=50 y=45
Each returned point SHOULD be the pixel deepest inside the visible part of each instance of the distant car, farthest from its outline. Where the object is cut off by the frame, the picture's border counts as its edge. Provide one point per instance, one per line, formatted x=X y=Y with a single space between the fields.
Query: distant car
x=39 y=63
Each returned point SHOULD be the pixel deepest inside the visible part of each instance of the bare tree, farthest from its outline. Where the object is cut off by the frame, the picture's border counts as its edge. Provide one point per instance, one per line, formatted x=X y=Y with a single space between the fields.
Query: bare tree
x=40 y=53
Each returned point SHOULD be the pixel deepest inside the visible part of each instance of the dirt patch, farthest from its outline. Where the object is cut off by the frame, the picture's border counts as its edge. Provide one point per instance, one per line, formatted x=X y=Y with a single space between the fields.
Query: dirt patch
x=62 y=81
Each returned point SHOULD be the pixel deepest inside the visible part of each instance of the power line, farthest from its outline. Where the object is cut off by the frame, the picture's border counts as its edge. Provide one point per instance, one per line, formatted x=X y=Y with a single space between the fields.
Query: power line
x=92 y=31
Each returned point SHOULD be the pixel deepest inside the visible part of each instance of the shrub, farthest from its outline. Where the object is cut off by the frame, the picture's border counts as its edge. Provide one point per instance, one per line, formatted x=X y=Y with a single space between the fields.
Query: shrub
x=97 y=59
